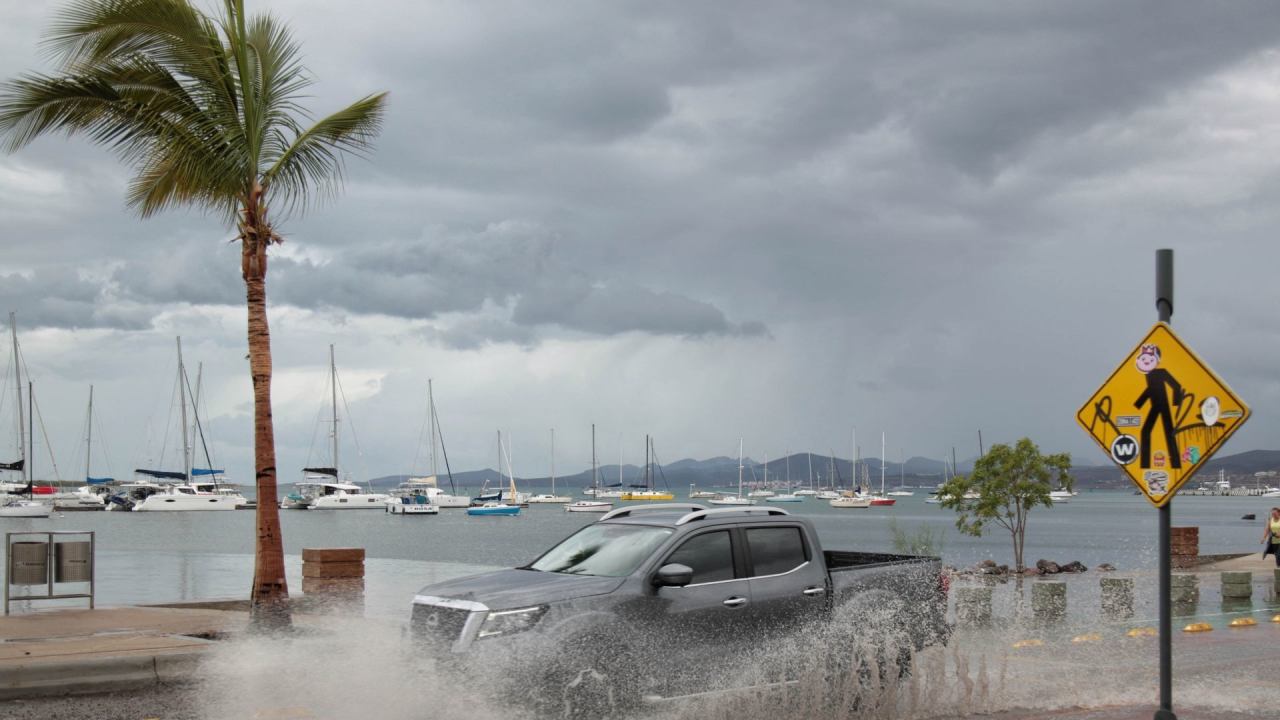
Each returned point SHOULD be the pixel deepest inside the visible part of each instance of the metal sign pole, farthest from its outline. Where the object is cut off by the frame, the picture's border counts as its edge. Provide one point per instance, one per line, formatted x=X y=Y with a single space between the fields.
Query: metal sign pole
x=1164 y=310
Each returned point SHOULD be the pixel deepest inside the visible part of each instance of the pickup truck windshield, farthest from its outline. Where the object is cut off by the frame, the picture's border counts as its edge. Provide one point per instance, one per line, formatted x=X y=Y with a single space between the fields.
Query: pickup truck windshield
x=603 y=550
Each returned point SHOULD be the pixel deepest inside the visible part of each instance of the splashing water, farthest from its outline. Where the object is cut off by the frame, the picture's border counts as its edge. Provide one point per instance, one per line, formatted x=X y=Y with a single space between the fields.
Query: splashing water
x=849 y=668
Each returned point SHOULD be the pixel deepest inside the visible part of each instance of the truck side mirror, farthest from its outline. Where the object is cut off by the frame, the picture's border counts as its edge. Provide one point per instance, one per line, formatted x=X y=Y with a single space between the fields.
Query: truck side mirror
x=673 y=575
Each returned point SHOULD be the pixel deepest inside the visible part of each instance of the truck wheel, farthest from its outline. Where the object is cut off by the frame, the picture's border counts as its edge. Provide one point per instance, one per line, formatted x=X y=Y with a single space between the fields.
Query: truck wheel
x=595 y=679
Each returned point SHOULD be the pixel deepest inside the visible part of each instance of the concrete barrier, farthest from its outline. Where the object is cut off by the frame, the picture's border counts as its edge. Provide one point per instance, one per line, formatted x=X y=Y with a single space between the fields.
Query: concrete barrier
x=1184 y=589
x=1049 y=600
x=973 y=605
x=1117 y=597
x=1237 y=585
x=333 y=579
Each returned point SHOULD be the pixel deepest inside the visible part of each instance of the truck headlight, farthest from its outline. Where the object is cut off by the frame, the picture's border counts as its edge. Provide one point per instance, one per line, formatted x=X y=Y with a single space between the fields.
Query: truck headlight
x=506 y=622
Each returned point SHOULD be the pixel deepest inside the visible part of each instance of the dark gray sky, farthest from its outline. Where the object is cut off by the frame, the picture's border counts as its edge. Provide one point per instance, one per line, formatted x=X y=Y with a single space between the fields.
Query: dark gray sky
x=697 y=220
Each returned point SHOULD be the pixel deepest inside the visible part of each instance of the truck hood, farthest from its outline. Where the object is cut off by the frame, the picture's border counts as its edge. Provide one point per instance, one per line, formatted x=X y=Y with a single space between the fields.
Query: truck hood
x=506 y=589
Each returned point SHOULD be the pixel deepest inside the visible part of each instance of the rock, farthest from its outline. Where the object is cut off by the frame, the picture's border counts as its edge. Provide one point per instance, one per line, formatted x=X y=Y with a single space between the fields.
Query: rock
x=1075 y=566
x=1250 y=516
x=988 y=569
x=1048 y=567
x=1031 y=571
x=987 y=563
x=1105 y=567
x=1003 y=570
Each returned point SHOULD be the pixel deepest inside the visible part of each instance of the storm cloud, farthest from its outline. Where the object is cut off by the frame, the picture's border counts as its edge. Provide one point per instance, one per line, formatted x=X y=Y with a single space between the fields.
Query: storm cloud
x=705 y=221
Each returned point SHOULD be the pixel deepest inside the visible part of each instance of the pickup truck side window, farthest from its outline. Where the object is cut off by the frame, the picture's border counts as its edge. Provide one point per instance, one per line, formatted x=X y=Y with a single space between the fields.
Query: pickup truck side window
x=775 y=550
x=709 y=554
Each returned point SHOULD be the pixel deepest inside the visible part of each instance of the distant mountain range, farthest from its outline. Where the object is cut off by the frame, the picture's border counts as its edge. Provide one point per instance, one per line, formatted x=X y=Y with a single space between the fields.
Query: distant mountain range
x=722 y=472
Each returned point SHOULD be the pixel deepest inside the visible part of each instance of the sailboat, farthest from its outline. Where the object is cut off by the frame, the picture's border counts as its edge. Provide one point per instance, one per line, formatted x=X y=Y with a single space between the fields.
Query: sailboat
x=762 y=490
x=880 y=498
x=92 y=495
x=591 y=505
x=647 y=491
x=174 y=490
x=809 y=491
x=500 y=507
x=422 y=495
x=15 y=506
x=788 y=496
x=850 y=498
x=738 y=499
x=321 y=489
x=551 y=498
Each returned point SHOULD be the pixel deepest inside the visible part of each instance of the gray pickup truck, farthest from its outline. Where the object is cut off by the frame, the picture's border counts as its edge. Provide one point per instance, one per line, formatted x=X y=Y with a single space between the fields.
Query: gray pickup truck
x=661 y=601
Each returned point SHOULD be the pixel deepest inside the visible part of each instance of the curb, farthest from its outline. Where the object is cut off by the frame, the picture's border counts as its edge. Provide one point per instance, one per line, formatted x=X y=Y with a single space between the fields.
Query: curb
x=95 y=675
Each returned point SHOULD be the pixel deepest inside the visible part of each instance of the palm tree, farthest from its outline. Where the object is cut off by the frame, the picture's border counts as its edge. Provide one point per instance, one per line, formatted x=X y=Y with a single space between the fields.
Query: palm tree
x=206 y=110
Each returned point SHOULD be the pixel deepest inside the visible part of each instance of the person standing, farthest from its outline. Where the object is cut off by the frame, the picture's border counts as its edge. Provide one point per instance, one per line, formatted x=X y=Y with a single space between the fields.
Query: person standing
x=1271 y=535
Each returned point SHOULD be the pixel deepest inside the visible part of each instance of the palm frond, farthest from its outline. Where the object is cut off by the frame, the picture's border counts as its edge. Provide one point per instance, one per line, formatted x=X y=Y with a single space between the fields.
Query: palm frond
x=314 y=159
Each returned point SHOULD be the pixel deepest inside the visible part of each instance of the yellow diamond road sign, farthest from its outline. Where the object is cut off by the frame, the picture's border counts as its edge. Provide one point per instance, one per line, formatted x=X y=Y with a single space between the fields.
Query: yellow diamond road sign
x=1162 y=414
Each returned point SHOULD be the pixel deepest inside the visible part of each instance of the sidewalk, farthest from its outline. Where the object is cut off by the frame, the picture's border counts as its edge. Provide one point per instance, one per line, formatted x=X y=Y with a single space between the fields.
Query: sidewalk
x=62 y=652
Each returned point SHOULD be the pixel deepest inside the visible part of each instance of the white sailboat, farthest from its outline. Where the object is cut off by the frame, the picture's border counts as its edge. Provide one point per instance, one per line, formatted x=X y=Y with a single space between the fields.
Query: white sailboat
x=509 y=504
x=738 y=499
x=321 y=489
x=423 y=493
x=14 y=505
x=789 y=496
x=180 y=493
x=92 y=495
x=552 y=497
x=809 y=491
x=592 y=506
x=649 y=492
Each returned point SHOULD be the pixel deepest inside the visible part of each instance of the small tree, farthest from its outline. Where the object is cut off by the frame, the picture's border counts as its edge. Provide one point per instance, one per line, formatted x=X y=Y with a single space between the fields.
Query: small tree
x=1003 y=487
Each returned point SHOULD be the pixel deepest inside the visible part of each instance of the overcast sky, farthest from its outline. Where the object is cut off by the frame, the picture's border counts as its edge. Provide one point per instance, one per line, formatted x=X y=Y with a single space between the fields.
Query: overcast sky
x=697 y=220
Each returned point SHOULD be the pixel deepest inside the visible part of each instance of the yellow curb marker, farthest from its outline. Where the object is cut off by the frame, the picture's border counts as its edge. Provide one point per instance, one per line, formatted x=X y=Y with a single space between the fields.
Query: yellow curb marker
x=1197 y=627
x=1242 y=622
x=1027 y=644
x=1142 y=632
x=1087 y=638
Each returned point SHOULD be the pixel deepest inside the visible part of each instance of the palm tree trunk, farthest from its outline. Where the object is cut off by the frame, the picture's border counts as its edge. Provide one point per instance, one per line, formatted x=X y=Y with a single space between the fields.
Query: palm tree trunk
x=269 y=605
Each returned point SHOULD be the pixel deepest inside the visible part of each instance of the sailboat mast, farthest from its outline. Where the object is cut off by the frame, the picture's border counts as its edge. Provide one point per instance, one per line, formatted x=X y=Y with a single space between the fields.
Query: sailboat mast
x=853 y=471
x=902 y=468
x=17 y=379
x=647 y=484
x=333 y=392
x=881 y=462
x=31 y=438
x=739 y=467
x=788 y=469
x=553 y=461
x=595 y=476
x=810 y=456
x=182 y=403
x=766 y=469
x=88 y=442
x=431 y=412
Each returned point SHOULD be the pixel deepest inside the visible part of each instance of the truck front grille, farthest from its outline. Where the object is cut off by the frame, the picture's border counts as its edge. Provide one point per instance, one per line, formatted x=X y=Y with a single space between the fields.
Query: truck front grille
x=439 y=626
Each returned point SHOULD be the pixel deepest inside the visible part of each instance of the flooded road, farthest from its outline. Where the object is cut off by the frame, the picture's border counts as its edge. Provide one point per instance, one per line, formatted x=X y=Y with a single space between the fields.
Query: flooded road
x=362 y=669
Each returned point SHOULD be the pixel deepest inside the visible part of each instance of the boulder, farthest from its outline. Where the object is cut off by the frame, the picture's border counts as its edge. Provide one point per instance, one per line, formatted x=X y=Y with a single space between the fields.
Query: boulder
x=1048 y=567
x=1105 y=567
x=1075 y=566
x=1031 y=571
x=987 y=563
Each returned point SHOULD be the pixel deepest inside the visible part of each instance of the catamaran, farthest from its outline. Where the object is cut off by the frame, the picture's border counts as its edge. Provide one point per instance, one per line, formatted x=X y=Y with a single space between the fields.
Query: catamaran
x=321 y=488
x=421 y=495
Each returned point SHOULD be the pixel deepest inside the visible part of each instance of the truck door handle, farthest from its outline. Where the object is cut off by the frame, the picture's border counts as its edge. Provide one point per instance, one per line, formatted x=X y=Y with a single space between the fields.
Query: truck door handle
x=814 y=591
x=735 y=602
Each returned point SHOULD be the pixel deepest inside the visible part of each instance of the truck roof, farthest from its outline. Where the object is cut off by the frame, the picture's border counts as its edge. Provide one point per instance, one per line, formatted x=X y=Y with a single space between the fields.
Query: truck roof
x=677 y=514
